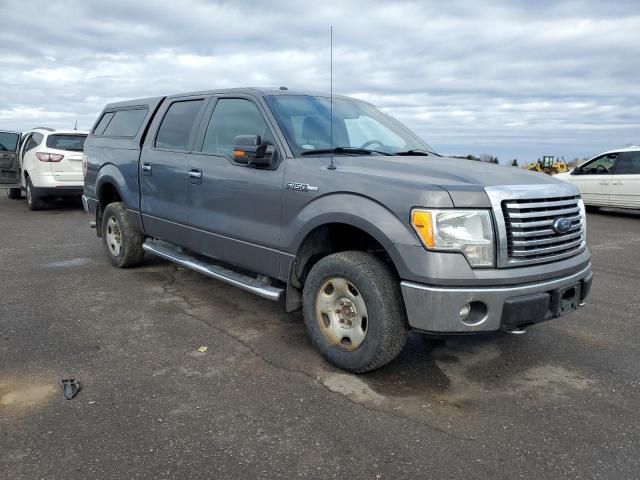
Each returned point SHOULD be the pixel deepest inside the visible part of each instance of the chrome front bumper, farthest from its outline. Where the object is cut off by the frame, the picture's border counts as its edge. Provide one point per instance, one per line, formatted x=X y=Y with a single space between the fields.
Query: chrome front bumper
x=437 y=309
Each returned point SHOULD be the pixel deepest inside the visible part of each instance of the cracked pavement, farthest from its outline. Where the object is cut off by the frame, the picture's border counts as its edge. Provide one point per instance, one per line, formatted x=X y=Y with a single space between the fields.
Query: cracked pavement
x=558 y=402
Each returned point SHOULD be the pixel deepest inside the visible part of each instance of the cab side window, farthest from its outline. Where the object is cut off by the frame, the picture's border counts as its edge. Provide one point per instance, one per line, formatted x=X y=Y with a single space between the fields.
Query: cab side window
x=232 y=117
x=177 y=125
x=603 y=165
x=628 y=164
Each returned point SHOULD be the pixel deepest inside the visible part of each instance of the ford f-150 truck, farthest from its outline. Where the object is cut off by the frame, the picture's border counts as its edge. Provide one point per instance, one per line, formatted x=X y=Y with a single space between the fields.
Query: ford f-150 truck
x=334 y=207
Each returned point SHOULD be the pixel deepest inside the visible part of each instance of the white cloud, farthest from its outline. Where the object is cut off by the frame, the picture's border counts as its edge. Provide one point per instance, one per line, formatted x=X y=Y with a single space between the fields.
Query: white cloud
x=509 y=78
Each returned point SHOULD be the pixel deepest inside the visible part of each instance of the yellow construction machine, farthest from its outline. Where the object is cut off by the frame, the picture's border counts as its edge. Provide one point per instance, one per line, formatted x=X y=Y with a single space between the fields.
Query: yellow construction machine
x=549 y=165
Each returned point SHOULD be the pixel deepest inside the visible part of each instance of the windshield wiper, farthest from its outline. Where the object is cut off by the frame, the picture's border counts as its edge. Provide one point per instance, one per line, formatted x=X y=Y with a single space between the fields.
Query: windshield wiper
x=416 y=151
x=347 y=150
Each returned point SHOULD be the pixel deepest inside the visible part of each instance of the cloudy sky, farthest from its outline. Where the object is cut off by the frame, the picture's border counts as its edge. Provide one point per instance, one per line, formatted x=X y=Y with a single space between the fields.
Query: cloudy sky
x=514 y=79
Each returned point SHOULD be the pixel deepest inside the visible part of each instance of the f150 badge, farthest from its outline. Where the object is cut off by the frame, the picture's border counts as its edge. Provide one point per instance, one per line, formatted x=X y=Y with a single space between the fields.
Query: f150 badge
x=301 y=187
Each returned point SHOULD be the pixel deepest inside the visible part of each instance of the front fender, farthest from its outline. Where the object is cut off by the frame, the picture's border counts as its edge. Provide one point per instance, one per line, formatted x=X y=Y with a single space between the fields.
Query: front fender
x=355 y=210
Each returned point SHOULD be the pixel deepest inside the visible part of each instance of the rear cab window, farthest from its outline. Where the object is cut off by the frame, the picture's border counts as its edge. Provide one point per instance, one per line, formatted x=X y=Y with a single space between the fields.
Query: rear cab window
x=121 y=123
x=69 y=142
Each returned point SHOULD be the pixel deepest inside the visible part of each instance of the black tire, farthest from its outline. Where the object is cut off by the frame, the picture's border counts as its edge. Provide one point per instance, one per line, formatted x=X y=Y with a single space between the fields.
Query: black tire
x=34 y=201
x=14 y=193
x=129 y=252
x=386 y=323
x=591 y=208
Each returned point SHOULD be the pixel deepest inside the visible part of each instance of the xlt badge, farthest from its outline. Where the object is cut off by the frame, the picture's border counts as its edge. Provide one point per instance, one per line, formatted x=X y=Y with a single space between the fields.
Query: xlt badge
x=301 y=187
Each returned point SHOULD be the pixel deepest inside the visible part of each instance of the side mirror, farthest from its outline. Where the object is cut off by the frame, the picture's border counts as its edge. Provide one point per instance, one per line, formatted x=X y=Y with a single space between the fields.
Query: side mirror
x=576 y=171
x=249 y=150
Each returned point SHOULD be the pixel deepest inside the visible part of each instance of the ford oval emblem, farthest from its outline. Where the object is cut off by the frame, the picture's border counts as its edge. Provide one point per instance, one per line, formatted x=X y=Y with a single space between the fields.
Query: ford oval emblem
x=561 y=225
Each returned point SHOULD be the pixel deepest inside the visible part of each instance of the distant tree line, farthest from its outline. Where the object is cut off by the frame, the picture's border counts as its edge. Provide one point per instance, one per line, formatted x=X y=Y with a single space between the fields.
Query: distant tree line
x=485 y=157
x=482 y=158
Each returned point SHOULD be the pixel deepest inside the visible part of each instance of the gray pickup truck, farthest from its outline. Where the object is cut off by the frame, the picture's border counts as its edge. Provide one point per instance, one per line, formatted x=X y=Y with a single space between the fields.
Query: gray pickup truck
x=334 y=207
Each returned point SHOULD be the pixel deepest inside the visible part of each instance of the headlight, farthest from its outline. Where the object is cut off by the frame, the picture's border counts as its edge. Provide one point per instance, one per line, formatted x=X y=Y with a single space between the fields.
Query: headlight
x=467 y=231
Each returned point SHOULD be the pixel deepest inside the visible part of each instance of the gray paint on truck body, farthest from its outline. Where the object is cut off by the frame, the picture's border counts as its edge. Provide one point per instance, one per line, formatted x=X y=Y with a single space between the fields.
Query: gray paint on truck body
x=246 y=216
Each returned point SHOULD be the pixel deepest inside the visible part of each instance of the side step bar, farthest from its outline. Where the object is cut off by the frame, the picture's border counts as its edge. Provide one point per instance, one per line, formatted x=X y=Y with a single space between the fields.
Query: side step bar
x=176 y=255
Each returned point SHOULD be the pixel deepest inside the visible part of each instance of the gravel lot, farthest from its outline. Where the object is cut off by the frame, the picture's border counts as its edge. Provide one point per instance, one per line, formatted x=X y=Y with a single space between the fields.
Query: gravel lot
x=561 y=401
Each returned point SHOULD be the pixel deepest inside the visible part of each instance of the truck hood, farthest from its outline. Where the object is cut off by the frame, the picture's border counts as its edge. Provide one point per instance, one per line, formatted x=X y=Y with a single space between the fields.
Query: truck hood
x=464 y=180
x=446 y=172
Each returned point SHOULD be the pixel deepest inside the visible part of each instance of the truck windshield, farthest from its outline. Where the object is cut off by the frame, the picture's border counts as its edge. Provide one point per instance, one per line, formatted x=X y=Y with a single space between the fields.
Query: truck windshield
x=306 y=122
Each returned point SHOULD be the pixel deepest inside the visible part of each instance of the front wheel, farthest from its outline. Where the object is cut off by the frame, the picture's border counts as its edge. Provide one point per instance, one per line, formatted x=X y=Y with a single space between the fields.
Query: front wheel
x=353 y=311
x=122 y=244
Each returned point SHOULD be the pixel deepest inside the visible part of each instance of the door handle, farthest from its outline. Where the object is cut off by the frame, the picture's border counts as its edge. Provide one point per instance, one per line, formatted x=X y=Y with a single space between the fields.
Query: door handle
x=195 y=176
x=604 y=182
x=146 y=169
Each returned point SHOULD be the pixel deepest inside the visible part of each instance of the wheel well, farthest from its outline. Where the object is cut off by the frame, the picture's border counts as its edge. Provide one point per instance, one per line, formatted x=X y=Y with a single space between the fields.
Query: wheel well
x=107 y=194
x=332 y=238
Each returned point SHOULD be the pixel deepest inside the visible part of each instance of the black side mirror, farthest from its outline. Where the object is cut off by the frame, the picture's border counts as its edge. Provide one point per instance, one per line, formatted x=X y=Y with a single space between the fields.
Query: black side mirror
x=576 y=171
x=249 y=150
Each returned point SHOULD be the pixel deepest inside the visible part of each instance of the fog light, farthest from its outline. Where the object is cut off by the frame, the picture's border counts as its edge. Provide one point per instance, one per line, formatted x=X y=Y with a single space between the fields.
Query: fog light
x=464 y=312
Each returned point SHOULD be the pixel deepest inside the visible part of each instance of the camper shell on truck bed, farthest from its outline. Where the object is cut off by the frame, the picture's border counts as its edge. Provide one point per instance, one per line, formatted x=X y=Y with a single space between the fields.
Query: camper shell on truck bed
x=352 y=217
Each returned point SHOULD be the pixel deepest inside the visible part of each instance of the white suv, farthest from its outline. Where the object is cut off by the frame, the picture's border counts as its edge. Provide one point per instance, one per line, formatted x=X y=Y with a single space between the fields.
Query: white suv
x=44 y=162
x=611 y=179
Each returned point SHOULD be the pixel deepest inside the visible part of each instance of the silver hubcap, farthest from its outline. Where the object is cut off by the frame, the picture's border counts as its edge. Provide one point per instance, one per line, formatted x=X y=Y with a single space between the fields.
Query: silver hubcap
x=341 y=313
x=29 y=199
x=113 y=236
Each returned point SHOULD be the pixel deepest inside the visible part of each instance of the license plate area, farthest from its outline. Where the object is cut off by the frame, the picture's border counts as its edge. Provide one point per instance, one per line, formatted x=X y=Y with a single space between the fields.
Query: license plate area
x=569 y=299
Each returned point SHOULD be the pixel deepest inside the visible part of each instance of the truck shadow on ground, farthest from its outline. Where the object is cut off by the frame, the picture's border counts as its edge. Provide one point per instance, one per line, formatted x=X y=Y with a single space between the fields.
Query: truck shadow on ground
x=441 y=382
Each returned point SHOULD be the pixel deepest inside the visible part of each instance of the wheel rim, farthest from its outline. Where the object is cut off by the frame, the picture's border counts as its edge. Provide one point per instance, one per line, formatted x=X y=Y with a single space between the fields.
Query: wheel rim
x=341 y=313
x=29 y=197
x=113 y=237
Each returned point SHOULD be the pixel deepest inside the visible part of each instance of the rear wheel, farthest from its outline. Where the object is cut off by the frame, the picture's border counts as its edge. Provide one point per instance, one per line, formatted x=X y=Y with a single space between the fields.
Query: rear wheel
x=353 y=311
x=14 y=193
x=122 y=244
x=34 y=202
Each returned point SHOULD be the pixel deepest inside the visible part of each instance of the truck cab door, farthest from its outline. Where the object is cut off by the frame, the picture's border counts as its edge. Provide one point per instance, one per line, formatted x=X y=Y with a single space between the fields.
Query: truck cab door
x=9 y=162
x=164 y=166
x=236 y=208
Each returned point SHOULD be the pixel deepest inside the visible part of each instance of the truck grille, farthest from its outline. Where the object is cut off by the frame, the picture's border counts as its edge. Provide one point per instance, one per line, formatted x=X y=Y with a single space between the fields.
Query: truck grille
x=531 y=237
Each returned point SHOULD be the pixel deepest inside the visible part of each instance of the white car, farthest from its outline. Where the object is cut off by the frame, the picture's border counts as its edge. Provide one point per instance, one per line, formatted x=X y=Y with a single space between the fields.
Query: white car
x=611 y=179
x=43 y=162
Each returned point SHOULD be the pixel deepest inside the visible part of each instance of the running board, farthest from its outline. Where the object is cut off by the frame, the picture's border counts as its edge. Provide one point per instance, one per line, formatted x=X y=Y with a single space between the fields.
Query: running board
x=213 y=270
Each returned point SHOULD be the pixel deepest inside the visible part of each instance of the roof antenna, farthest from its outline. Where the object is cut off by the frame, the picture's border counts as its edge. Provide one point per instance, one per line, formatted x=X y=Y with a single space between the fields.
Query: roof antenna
x=75 y=127
x=332 y=166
